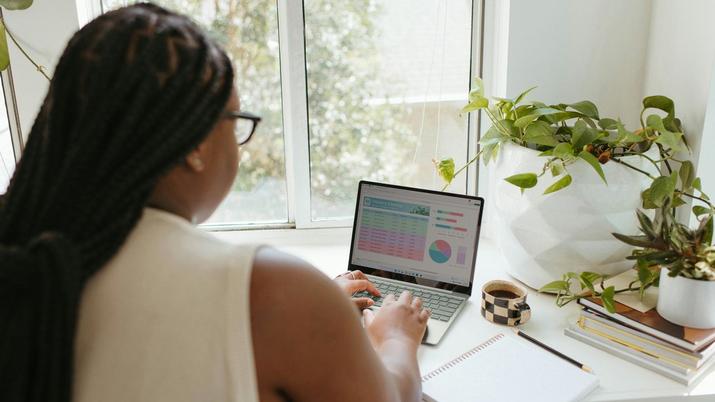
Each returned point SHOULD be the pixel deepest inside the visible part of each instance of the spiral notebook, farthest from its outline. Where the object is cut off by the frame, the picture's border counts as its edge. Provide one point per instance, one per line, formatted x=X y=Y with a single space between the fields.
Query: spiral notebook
x=507 y=369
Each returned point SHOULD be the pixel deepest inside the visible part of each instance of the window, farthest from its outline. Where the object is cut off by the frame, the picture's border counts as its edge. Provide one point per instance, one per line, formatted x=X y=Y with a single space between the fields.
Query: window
x=248 y=31
x=348 y=90
x=386 y=80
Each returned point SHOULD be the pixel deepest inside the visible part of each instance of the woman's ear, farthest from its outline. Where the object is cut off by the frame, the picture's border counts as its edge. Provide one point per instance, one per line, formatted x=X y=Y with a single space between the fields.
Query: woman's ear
x=194 y=161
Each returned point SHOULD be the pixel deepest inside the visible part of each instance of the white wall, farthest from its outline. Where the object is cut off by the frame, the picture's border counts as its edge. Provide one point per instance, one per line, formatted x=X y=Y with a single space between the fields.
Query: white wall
x=576 y=50
x=680 y=57
x=43 y=30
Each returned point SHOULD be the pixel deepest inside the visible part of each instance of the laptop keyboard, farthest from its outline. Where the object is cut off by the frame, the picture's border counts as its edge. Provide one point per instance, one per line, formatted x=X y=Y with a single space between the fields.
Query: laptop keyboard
x=442 y=306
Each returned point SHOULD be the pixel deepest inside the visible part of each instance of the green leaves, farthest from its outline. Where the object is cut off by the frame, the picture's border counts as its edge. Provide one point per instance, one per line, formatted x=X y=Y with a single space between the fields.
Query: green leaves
x=15 y=4
x=523 y=180
x=661 y=189
x=588 y=282
x=560 y=184
x=667 y=138
x=588 y=108
x=591 y=160
x=582 y=135
x=564 y=151
x=687 y=174
x=476 y=97
x=540 y=133
x=522 y=95
x=607 y=298
x=555 y=287
x=660 y=102
x=607 y=123
x=624 y=136
x=699 y=210
x=445 y=169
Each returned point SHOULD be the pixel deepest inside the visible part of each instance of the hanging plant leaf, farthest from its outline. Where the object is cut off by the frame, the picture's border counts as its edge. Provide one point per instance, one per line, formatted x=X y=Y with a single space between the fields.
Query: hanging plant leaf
x=475 y=104
x=625 y=136
x=15 y=4
x=522 y=95
x=4 y=55
x=662 y=188
x=564 y=151
x=701 y=210
x=660 y=102
x=523 y=121
x=607 y=297
x=697 y=185
x=445 y=168
x=555 y=287
x=540 y=133
x=595 y=164
x=560 y=184
x=557 y=168
x=607 y=124
x=588 y=108
x=687 y=174
x=523 y=180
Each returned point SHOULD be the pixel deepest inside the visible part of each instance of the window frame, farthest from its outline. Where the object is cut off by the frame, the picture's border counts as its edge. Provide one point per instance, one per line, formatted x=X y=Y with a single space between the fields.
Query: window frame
x=13 y=117
x=296 y=120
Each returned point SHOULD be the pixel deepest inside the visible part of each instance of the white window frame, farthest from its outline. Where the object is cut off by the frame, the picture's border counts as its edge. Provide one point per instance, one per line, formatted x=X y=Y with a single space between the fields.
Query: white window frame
x=13 y=117
x=291 y=34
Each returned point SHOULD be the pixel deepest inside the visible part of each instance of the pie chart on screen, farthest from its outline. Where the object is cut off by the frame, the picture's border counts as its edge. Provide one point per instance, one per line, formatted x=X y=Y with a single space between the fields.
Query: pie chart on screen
x=439 y=251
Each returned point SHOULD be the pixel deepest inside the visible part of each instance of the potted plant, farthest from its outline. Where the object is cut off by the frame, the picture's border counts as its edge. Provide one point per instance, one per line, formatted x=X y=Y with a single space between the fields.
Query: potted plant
x=588 y=172
x=678 y=259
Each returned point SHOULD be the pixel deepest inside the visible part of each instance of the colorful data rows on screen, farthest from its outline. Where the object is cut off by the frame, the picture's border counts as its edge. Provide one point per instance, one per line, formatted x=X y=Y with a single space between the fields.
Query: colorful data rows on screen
x=395 y=234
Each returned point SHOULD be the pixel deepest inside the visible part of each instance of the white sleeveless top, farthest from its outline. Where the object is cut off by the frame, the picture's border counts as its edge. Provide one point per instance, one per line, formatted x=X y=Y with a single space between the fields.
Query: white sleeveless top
x=167 y=319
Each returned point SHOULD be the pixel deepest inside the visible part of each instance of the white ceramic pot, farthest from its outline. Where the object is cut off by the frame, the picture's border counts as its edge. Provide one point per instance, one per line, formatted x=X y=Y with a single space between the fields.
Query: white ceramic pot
x=687 y=302
x=544 y=236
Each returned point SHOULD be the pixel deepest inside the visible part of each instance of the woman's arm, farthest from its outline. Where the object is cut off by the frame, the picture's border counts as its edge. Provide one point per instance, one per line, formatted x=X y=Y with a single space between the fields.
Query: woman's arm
x=309 y=343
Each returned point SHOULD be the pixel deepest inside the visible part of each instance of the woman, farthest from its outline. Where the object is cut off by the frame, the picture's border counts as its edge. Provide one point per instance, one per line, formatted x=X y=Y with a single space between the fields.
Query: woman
x=107 y=290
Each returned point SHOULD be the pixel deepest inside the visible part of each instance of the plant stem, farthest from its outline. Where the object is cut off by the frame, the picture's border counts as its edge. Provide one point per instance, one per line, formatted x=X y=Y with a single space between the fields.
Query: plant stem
x=496 y=123
x=662 y=156
x=632 y=167
x=39 y=68
x=654 y=162
x=695 y=197
x=464 y=167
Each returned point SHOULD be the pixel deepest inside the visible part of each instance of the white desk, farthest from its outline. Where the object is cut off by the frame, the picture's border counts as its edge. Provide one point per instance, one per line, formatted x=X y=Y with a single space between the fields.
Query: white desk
x=619 y=379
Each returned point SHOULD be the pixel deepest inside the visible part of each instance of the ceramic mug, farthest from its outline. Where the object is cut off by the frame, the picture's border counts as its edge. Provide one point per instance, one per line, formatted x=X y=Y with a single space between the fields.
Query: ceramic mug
x=505 y=303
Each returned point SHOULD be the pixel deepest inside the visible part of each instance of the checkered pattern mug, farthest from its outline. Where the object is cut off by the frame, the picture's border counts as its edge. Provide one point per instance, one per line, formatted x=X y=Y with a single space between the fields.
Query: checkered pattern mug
x=505 y=303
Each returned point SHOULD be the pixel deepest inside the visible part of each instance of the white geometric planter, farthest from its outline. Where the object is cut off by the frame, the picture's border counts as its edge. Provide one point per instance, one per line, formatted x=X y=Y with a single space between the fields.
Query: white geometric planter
x=544 y=236
x=686 y=301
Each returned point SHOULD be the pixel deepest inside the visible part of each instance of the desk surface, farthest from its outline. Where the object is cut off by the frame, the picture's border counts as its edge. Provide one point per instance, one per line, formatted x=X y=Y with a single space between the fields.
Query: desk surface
x=619 y=379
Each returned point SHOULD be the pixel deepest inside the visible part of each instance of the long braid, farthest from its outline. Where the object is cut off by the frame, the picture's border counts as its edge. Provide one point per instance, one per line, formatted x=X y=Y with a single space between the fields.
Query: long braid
x=133 y=93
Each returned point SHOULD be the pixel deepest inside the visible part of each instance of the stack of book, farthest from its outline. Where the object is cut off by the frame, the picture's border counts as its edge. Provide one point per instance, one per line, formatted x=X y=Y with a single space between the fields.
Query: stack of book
x=646 y=339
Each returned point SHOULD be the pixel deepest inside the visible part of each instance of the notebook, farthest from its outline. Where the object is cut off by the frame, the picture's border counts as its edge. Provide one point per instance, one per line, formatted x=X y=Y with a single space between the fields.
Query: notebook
x=506 y=368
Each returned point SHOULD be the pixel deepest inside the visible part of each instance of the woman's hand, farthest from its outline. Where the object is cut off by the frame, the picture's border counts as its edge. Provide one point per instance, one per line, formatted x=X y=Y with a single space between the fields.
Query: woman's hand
x=402 y=320
x=355 y=281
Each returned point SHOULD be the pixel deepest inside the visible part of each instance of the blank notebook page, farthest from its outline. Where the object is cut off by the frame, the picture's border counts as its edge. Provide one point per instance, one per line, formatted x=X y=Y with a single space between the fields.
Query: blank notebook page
x=507 y=369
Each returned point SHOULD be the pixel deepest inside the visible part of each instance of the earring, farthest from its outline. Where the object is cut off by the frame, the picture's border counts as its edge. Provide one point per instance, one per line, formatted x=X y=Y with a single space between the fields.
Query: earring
x=196 y=163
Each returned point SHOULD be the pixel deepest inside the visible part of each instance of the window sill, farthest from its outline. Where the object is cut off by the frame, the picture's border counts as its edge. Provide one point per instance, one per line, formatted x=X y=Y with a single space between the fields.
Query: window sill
x=327 y=249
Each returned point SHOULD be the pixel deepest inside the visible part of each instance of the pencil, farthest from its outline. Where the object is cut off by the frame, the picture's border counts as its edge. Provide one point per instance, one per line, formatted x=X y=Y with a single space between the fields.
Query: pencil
x=554 y=351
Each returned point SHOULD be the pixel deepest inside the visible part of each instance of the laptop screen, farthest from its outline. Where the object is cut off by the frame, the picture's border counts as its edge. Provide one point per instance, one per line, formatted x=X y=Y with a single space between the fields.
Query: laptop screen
x=415 y=235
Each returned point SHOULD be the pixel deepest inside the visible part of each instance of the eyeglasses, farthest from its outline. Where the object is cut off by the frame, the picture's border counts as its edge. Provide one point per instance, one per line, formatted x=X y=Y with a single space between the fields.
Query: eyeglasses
x=245 y=124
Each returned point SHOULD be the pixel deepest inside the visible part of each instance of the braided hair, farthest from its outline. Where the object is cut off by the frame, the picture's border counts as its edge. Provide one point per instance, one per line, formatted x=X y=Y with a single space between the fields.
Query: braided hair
x=134 y=92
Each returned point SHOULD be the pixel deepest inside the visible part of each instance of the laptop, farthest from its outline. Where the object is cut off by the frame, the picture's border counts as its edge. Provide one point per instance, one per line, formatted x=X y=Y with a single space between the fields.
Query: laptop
x=418 y=240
